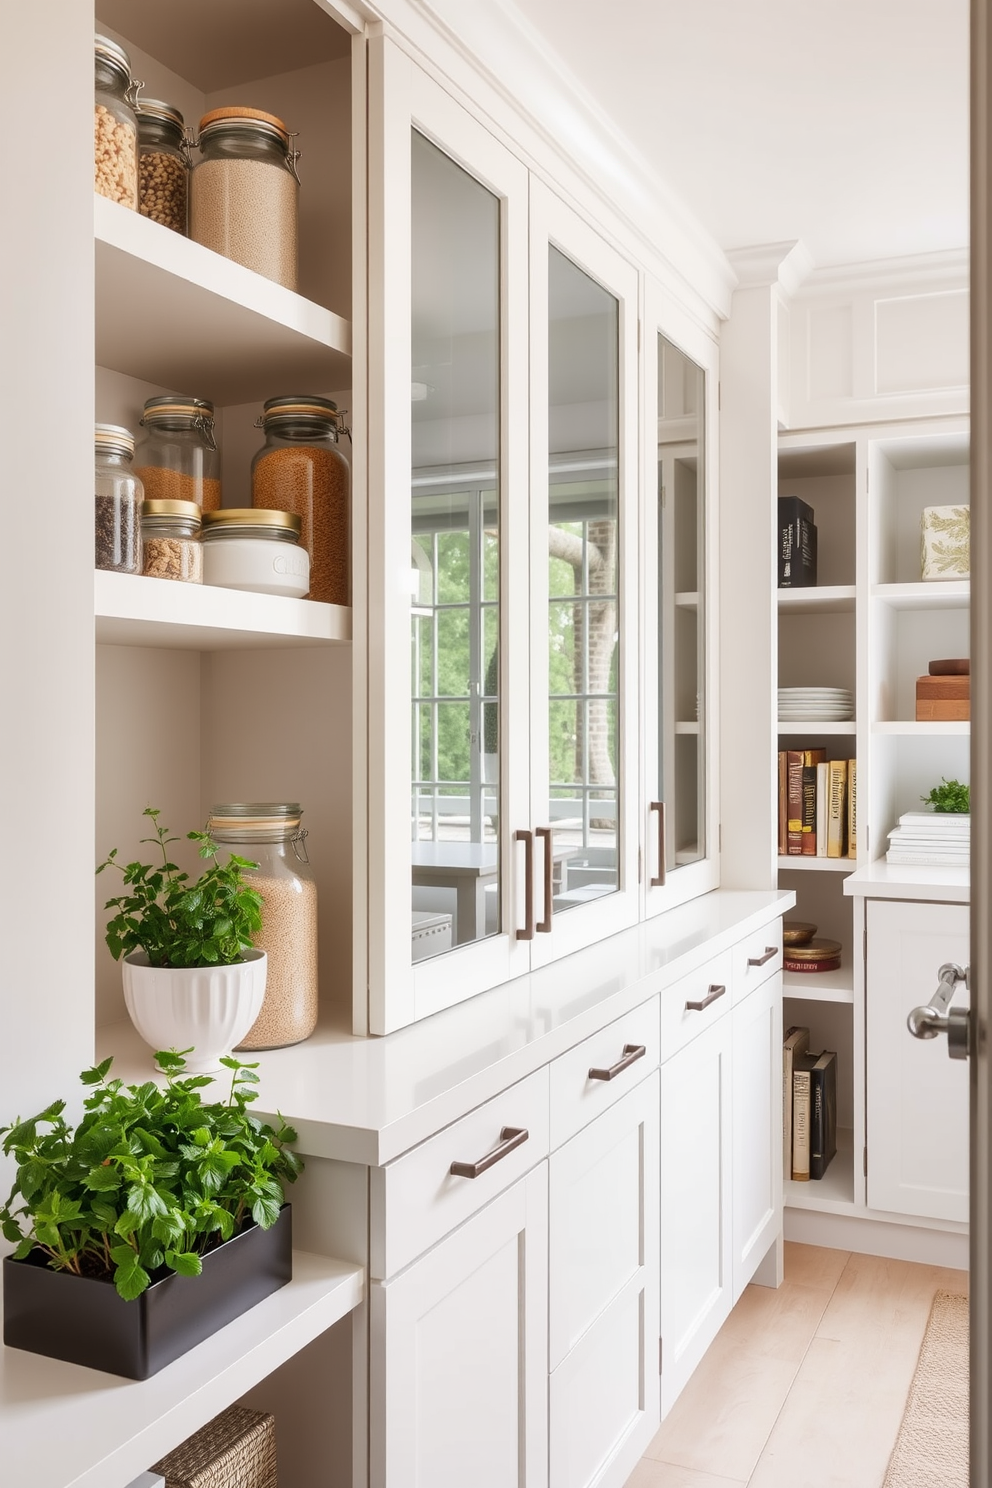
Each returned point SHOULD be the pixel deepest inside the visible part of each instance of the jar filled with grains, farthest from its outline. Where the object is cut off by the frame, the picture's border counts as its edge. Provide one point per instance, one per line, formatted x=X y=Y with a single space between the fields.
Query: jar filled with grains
x=170 y=541
x=301 y=469
x=115 y=128
x=118 y=501
x=256 y=550
x=177 y=457
x=163 y=164
x=244 y=191
x=270 y=834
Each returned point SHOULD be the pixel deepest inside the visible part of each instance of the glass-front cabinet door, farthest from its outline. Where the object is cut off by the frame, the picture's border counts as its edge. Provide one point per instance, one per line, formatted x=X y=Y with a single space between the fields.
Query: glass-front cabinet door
x=678 y=567
x=447 y=546
x=584 y=707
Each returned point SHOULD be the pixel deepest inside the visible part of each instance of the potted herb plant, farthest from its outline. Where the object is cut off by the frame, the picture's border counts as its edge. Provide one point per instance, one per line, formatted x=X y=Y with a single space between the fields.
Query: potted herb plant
x=154 y=1222
x=949 y=796
x=192 y=978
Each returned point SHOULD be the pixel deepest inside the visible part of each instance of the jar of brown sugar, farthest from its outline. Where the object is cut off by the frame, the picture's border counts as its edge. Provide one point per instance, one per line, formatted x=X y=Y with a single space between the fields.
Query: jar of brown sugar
x=269 y=833
x=244 y=191
x=177 y=457
x=301 y=469
x=163 y=164
x=115 y=128
x=118 y=501
x=170 y=541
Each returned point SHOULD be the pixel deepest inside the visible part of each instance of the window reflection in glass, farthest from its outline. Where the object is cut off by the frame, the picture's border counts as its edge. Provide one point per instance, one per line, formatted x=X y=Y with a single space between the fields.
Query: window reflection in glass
x=583 y=537
x=455 y=773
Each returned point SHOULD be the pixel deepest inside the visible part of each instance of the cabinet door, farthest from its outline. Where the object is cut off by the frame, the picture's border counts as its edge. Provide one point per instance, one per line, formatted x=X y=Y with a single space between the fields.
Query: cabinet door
x=694 y=1223
x=459 y=1354
x=584 y=708
x=679 y=803
x=445 y=653
x=757 y=1107
x=917 y=1096
x=603 y=1298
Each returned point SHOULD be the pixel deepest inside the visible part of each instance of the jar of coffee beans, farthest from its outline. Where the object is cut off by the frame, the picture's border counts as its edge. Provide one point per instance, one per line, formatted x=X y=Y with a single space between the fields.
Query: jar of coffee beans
x=118 y=501
x=163 y=164
x=177 y=456
x=115 y=128
x=244 y=191
x=301 y=469
x=170 y=541
x=269 y=834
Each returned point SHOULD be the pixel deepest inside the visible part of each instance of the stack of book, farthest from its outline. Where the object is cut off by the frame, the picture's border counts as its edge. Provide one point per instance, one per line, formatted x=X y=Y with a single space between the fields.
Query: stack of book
x=931 y=837
x=817 y=804
x=797 y=544
x=809 y=1107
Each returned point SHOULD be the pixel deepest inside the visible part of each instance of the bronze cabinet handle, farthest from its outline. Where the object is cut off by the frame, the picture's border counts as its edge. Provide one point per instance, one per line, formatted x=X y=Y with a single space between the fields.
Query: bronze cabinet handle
x=544 y=926
x=715 y=990
x=658 y=880
x=527 y=838
x=509 y=1137
x=770 y=951
x=630 y=1053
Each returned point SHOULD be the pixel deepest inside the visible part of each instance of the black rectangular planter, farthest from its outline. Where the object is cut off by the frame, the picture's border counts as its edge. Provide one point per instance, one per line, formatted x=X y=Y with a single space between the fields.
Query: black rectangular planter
x=86 y=1321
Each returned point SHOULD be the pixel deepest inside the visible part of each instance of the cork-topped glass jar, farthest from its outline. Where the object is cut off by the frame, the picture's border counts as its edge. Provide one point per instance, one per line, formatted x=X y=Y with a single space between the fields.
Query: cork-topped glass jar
x=177 y=456
x=301 y=469
x=115 y=128
x=244 y=192
x=269 y=833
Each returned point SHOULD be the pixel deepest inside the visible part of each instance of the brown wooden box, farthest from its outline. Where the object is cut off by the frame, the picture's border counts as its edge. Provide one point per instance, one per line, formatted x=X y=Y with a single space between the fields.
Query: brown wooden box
x=237 y=1449
x=943 y=699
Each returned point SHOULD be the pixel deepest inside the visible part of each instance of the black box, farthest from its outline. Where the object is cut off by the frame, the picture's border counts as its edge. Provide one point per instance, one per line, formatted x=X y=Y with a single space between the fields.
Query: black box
x=797 y=544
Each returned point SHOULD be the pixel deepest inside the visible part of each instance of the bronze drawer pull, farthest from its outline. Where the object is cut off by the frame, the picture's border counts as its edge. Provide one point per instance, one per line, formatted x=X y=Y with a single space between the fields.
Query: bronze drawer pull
x=630 y=1053
x=509 y=1137
x=544 y=926
x=527 y=838
x=770 y=951
x=716 y=990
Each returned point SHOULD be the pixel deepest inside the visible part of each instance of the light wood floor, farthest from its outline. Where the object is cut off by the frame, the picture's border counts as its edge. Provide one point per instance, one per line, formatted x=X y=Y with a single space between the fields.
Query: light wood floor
x=803 y=1387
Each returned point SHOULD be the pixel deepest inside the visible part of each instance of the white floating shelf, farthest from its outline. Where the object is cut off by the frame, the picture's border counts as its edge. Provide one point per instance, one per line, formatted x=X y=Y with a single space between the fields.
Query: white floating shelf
x=944 y=594
x=908 y=728
x=687 y=728
x=179 y=315
x=64 y=1426
x=820 y=986
x=811 y=726
x=135 y=611
x=806 y=862
x=825 y=599
x=834 y=1192
x=687 y=599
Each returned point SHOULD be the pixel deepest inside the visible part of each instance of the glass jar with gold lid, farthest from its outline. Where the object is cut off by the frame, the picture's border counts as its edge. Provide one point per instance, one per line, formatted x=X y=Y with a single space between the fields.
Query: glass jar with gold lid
x=170 y=541
x=244 y=191
x=257 y=550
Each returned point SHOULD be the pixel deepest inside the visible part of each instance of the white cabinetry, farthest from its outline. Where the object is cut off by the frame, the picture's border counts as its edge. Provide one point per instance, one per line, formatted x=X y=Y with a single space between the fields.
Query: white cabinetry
x=917 y=1095
x=756 y=1057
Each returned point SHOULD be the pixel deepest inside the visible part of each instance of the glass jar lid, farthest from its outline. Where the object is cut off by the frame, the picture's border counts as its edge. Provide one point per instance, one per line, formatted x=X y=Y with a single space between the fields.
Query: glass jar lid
x=113 y=439
x=250 y=521
x=168 y=406
x=113 y=56
x=184 y=511
x=243 y=820
x=307 y=410
x=158 y=112
x=238 y=118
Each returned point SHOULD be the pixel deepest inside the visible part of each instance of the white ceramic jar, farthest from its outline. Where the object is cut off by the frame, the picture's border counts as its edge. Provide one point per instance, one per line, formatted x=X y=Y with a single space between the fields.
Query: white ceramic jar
x=245 y=548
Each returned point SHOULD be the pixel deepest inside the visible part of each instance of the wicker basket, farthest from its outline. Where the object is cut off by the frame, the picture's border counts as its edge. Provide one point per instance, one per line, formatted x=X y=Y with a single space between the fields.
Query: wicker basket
x=237 y=1449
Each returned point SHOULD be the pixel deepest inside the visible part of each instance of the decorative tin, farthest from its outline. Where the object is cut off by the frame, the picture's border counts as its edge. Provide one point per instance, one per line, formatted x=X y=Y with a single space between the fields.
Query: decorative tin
x=945 y=547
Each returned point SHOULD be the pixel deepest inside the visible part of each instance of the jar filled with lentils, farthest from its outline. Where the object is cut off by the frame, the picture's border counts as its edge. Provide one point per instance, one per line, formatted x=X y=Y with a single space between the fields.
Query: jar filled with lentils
x=270 y=834
x=170 y=541
x=177 y=456
x=115 y=128
x=118 y=501
x=244 y=191
x=163 y=164
x=301 y=469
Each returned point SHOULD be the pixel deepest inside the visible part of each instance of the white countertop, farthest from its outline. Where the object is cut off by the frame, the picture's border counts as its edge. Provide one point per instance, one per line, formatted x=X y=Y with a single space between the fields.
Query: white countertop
x=368 y=1100
x=882 y=880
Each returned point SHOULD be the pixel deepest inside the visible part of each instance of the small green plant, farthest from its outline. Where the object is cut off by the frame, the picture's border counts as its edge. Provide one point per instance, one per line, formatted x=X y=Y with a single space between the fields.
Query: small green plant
x=950 y=795
x=208 y=923
x=150 y=1179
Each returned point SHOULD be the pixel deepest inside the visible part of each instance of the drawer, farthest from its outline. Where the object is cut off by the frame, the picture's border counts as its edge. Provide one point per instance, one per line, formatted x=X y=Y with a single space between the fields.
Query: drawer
x=578 y=1095
x=756 y=959
x=682 y=1016
x=417 y=1199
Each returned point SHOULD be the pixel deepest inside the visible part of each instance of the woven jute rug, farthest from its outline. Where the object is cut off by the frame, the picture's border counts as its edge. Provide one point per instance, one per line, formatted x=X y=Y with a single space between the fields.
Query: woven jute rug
x=931 y=1450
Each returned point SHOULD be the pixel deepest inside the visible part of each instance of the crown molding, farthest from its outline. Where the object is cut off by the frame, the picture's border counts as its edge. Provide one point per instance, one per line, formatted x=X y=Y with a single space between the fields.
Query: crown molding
x=949 y=269
x=787 y=264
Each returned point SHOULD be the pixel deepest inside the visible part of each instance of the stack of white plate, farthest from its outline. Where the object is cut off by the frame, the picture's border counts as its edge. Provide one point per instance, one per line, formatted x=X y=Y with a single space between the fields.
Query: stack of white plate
x=815 y=704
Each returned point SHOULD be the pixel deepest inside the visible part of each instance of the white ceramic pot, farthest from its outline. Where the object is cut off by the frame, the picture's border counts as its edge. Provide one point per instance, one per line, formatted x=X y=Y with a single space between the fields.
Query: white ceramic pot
x=207 y=1009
